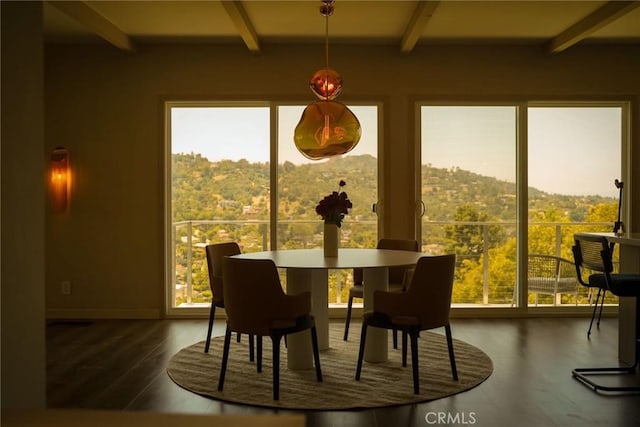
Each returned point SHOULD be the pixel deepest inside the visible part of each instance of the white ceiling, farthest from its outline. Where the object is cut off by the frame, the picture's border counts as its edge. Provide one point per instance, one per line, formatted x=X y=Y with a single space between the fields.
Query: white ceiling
x=556 y=25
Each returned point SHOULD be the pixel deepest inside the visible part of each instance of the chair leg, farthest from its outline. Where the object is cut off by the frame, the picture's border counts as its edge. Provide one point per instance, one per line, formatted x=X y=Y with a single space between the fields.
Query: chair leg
x=363 y=337
x=316 y=353
x=225 y=358
x=452 y=358
x=404 y=349
x=276 y=366
x=251 y=349
x=583 y=374
x=212 y=314
x=593 y=315
x=348 y=320
x=259 y=349
x=604 y=291
x=395 y=339
x=238 y=337
x=414 y=361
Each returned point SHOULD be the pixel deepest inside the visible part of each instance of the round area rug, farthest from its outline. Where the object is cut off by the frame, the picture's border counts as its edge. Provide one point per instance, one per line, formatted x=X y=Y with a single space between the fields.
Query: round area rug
x=381 y=384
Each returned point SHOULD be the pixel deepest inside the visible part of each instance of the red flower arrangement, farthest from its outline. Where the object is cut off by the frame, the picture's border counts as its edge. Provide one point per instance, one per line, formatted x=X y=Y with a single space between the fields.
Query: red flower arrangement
x=335 y=206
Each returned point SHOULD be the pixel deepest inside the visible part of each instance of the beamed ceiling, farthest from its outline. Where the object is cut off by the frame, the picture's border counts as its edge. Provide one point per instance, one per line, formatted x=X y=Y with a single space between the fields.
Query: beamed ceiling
x=554 y=25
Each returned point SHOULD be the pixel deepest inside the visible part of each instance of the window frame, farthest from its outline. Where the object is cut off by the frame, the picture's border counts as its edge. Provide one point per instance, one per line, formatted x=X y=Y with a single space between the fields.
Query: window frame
x=522 y=106
x=169 y=265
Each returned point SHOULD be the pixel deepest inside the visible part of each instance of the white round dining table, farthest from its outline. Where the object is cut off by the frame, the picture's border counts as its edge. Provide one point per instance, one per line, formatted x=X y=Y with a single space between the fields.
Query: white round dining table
x=307 y=271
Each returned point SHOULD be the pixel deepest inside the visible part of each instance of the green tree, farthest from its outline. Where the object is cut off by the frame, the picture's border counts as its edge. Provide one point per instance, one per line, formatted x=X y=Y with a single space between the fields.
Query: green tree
x=603 y=212
x=468 y=238
x=542 y=238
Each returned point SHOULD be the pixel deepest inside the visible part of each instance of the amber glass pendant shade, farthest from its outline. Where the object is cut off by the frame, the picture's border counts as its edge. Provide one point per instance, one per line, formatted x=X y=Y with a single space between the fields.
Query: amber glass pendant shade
x=326 y=128
x=326 y=83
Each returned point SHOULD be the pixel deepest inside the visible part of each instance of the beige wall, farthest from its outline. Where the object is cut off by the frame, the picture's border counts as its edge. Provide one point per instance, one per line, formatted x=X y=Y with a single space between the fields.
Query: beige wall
x=23 y=300
x=105 y=105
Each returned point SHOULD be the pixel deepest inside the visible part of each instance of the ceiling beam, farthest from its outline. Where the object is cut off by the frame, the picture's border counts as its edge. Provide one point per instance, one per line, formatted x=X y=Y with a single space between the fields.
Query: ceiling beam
x=596 y=20
x=421 y=15
x=83 y=13
x=243 y=24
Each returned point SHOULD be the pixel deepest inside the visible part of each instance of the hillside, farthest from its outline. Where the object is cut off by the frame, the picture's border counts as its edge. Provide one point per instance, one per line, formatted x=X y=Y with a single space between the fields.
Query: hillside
x=230 y=194
x=238 y=189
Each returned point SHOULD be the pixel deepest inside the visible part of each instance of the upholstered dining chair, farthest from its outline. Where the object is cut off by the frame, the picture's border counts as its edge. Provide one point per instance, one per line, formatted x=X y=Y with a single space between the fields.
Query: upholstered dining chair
x=424 y=305
x=256 y=305
x=594 y=253
x=215 y=254
x=397 y=278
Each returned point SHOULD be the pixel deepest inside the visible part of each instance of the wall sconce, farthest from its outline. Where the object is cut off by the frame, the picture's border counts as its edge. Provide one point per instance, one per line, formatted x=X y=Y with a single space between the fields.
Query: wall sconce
x=60 y=179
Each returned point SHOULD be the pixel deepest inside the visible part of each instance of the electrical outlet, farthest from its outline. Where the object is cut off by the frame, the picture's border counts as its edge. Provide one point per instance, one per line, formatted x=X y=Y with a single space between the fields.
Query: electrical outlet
x=65 y=288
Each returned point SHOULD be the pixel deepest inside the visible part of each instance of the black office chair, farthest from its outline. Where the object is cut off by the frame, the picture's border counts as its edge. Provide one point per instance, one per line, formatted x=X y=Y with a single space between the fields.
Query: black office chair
x=598 y=284
x=594 y=253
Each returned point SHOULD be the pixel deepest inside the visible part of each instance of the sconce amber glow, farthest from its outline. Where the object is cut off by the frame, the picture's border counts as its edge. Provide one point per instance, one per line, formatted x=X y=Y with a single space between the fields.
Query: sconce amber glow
x=60 y=179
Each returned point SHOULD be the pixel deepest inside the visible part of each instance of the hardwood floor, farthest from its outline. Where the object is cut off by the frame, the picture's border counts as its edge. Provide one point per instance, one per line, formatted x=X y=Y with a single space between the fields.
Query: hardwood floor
x=120 y=365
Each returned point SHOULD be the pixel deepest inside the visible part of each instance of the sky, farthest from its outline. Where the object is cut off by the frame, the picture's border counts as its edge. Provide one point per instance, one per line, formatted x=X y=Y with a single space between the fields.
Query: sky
x=243 y=133
x=573 y=151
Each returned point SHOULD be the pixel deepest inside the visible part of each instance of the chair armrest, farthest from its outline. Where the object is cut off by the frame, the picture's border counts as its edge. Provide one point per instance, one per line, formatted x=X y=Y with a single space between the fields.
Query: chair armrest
x=566 y=268
x=390 y=303
x=294 y=306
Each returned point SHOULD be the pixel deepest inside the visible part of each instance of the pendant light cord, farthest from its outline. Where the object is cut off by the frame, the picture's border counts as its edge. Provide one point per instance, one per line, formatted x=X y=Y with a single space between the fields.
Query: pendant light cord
x=326 y=42
x=326 y=10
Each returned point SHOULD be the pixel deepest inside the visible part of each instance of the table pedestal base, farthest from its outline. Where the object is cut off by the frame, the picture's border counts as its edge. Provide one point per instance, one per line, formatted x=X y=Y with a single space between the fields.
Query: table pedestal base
x=375 y=279
x=299 y=352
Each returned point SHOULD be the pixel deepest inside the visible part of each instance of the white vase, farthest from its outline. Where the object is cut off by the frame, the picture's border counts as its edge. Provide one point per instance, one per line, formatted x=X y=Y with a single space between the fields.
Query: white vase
x=331 y=239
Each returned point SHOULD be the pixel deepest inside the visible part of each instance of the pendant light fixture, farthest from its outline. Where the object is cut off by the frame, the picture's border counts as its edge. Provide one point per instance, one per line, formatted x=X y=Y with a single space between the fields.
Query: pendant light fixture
x=327 y=127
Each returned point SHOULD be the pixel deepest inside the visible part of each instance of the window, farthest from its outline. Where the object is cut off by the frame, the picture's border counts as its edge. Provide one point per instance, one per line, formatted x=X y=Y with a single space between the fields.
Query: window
x=574 y=157
x=469 y=176
x=468 y=190
x=298 y=223
x=221 y=186
x=218 y=190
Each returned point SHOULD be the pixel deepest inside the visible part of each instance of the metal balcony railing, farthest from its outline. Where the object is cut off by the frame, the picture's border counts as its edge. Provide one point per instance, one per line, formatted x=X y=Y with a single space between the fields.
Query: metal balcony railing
x=190 y=237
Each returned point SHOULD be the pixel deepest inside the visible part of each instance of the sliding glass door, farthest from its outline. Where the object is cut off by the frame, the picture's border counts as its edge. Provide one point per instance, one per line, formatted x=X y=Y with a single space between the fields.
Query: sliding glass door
x=222 y=185
x=218 y=190
x=468 y=191
x=302 y=183
x=486 y=171
x=574 y=159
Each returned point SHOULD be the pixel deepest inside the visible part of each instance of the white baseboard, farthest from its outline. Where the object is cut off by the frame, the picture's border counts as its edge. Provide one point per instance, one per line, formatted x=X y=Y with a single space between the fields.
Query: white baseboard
x=101 y=313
